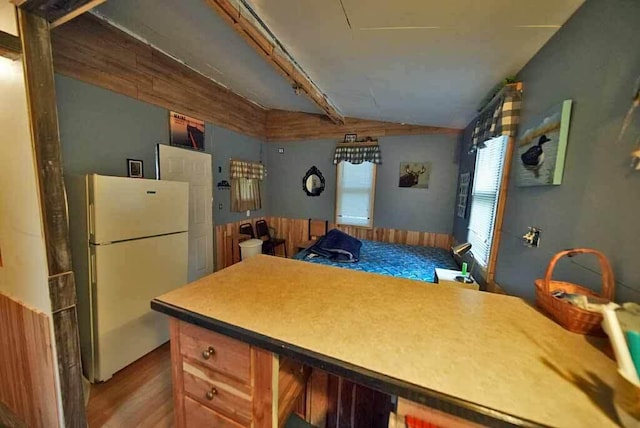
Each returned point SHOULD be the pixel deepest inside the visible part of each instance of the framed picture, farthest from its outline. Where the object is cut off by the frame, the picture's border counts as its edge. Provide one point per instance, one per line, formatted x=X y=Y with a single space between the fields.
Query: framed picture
x=463 y=194
x=542 y=148
x=415 y=174
x=134 y=167
x=186 y=131
x=350 y=138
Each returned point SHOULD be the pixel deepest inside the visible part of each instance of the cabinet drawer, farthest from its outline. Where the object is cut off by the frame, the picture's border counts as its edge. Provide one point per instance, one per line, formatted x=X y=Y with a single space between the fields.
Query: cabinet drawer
x=218 y=392
x=216 y=351
x=199 y=416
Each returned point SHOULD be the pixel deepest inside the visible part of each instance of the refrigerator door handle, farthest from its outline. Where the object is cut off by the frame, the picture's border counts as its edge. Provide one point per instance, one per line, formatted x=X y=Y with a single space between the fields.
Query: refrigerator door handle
x=93 y=267
x=92 y=219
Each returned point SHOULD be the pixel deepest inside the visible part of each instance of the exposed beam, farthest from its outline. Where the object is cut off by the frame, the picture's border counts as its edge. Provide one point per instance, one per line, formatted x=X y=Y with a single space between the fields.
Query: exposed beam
x=57 y=12
x=45 y=134
x=294 y=126
x=244 y=25
x=9 y=45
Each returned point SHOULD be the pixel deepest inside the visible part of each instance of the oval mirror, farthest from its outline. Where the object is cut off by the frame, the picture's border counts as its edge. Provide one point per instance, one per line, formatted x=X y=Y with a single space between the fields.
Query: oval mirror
x=313 y=182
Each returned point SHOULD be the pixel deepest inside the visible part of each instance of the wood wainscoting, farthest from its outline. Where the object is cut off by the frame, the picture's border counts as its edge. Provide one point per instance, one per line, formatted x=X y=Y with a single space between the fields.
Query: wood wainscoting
x=297 y=230
x=27 y=377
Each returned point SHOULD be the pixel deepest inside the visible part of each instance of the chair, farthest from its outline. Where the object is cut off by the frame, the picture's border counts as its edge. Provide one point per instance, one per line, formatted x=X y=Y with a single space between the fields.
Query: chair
x=270 y=244
x=317 y=228
x=247 y=229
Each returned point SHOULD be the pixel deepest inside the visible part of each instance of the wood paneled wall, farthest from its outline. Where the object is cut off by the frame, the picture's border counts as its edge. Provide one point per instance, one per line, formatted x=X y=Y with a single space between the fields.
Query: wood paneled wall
x=27 y=379
x=292 y=126
x=95 y=52
x=297 y=230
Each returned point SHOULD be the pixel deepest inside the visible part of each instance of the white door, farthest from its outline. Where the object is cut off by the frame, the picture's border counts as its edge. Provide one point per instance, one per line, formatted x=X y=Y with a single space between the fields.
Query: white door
x=178 y=164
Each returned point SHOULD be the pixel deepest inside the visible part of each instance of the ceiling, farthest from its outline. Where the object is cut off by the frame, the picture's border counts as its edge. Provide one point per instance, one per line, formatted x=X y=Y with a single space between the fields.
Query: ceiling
x=423 y=62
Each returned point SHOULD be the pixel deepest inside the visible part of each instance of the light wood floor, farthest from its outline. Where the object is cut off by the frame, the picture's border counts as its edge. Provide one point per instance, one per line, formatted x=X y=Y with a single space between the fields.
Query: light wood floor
x=139 y=395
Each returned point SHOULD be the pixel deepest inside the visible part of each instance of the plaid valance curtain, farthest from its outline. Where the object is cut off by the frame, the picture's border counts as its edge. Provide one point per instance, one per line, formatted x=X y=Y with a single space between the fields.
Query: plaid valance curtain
x=357 y=154
x=242 y=169
x=501 y=117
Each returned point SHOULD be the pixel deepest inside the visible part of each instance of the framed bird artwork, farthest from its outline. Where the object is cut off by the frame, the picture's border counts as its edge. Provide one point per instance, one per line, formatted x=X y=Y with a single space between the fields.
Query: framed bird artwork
x=541 y=150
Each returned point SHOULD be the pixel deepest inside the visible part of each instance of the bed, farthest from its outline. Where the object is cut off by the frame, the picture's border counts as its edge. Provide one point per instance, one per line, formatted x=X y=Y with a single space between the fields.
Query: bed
x=399 y=260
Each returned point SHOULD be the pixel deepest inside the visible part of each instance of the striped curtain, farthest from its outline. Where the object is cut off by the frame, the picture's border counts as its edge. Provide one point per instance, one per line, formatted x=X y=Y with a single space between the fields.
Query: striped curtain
x=501 y=117
x=357 y=154
x=245 y=185
x=243 y=169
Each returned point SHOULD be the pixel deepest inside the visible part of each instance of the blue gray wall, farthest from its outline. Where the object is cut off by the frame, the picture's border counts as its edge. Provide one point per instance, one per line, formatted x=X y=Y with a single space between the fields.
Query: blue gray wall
x=595 y=61
x=426 y=210
x=100 y=129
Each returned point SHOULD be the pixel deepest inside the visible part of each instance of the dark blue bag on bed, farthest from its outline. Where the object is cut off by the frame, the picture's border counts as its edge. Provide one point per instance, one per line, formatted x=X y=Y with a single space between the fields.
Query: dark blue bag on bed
x=337 y=246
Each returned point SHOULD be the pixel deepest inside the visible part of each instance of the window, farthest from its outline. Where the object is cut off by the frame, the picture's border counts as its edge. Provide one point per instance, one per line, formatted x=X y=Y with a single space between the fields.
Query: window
x=354 y=193
x=484 y=198
x=245 y=194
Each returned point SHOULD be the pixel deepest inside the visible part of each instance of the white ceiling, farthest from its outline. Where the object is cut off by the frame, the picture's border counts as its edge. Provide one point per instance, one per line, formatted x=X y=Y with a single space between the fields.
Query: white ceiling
x=425 y=62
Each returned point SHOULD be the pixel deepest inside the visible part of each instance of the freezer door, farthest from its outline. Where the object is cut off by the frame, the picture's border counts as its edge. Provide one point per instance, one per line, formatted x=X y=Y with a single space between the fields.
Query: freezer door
x=127 y=276
x=123 y=208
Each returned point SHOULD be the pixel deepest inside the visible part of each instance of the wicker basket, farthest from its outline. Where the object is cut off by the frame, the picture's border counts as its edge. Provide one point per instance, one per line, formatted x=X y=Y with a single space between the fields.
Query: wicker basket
x=567 y=315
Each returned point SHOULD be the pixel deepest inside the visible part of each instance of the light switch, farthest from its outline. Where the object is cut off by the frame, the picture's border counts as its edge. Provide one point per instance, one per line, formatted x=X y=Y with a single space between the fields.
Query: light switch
x=219 y=206
x=248 y=213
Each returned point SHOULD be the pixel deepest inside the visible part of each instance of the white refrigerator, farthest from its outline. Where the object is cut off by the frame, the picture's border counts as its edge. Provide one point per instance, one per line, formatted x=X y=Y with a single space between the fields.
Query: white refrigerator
x=129 y=245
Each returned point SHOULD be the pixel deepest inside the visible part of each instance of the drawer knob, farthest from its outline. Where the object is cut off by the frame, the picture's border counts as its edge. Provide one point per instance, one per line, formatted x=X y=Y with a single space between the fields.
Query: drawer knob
x=207 y=353
x=212 y=393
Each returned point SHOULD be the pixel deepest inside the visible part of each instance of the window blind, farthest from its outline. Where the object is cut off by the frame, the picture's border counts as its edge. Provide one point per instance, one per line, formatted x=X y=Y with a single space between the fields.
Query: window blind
x=354 y=194
x=484 y=197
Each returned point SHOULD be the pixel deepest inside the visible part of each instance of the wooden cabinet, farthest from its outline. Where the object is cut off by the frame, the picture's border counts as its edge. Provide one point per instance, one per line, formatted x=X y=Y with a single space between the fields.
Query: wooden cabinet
x=219 y=381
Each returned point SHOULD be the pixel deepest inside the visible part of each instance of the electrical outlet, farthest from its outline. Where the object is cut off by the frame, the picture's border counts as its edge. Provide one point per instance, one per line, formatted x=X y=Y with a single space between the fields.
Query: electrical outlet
x=532 y=237
x=248 y=213
x=281 y=150
x=219 y=206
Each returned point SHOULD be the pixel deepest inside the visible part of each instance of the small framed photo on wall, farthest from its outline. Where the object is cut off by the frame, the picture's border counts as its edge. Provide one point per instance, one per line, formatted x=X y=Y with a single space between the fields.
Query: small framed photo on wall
x=134 y=168
x=463 y=193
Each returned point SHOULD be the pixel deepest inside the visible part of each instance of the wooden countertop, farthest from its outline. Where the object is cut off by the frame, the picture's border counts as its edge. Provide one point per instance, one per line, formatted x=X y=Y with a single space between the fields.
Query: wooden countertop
x=482 y=355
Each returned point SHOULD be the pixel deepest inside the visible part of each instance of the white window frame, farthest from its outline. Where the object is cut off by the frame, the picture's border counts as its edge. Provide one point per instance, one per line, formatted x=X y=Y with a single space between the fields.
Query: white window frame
x=486 y=187
x=339 y=190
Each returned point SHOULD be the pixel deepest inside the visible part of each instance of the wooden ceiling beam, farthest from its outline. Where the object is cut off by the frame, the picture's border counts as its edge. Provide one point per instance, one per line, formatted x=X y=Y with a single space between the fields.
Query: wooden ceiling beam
x=279 y=60
x=57 y=12
x=10 y=46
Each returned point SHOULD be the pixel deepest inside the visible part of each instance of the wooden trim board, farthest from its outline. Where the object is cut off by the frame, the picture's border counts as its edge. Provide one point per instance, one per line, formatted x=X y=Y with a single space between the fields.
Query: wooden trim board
x=27 y=377
x=500 y=209
x=9 y=46
x=59 y=10
x=90 y=4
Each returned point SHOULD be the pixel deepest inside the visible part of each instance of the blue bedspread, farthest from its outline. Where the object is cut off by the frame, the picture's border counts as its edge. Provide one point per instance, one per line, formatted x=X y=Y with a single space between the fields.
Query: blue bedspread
x=399 y=260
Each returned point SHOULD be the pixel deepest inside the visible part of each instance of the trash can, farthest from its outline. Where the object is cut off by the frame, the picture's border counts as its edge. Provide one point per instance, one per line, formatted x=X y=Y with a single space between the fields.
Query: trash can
x=250 y=248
